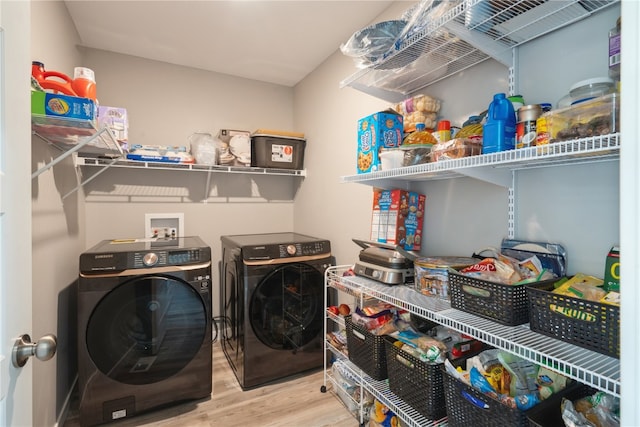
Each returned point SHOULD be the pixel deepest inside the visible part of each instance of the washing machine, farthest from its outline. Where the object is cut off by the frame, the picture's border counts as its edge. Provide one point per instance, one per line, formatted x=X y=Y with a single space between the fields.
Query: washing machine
x=144 y=326
x=272 y=303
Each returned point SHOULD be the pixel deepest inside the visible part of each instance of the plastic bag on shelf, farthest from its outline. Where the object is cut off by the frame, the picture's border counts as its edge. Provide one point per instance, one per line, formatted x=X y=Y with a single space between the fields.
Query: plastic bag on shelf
x=370 y=44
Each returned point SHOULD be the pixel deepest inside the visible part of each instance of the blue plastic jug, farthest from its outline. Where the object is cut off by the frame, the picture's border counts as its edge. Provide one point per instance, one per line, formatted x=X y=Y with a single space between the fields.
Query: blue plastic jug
x=499 y=131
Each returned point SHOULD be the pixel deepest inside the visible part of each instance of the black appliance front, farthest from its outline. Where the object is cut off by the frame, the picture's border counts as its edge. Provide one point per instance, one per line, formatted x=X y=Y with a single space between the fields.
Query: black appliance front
x=144 y=327
x=272 y=299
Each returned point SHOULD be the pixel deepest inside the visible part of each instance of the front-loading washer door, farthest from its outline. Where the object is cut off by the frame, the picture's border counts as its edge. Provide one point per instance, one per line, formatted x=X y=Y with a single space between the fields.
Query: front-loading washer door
x=285 y=308
x=146 y=329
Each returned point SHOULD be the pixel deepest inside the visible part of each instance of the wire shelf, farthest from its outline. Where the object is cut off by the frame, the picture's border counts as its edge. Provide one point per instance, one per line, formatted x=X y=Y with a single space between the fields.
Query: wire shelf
x=588 y=367
x=497 y=167
x=466 y=34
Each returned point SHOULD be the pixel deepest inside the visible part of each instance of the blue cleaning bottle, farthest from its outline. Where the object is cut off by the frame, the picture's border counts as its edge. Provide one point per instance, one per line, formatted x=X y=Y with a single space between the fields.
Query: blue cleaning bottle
x=499 y=131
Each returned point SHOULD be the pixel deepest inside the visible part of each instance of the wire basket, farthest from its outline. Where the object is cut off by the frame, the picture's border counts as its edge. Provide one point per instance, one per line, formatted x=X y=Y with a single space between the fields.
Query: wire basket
x=416 y=382
x=548 y=412
x=467 y=406
x=366 y=350
x=505 y=304
x=588 y=324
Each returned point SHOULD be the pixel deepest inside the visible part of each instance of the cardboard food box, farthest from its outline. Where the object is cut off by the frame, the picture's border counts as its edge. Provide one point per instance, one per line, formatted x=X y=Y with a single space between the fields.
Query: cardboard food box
x=397 y=218
x=160 y=154
x=375 y=132
x=414 y=220
x=116 y=120
x=612 y=270
x=57 y=105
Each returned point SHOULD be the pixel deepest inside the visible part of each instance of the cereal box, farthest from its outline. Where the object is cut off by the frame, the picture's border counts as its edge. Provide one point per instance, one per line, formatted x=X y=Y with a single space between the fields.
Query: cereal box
x=375 y=132
x=386 y=214
x=397 y=218
x=413 y=221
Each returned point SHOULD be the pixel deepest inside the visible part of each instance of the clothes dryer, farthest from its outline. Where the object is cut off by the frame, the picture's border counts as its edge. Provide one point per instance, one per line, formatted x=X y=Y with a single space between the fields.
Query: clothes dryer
x=272 y=300
x=144 y=326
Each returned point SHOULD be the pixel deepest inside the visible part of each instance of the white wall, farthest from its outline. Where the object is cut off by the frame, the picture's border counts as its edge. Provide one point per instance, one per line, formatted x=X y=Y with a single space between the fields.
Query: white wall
x=58 y=227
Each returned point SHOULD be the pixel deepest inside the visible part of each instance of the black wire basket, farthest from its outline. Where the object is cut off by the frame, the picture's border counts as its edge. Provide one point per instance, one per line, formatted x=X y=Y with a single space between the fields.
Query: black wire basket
x=366 y=350
x=417 y=382
x=505 y=304
x=588 y=324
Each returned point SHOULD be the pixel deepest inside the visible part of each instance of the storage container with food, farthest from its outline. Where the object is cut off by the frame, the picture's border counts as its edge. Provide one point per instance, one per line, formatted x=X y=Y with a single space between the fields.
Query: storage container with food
x=456 y=149
x=598 y=116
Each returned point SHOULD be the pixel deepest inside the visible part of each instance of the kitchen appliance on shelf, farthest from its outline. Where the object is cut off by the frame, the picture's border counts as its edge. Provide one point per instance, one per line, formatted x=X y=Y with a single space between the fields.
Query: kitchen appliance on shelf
x=388 y=264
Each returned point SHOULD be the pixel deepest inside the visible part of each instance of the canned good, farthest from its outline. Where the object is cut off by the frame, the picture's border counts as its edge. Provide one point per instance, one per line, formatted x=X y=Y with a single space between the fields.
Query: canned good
x=542 y=131
x=526 y=132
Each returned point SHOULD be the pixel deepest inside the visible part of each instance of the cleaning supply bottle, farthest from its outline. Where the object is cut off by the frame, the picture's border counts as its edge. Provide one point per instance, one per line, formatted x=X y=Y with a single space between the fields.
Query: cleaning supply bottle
x=52 y=80
x=499 y=131
x=84 y=82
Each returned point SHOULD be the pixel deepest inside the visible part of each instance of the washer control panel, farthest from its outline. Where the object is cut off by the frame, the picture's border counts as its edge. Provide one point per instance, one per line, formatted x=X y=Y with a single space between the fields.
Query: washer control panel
x=166 y=257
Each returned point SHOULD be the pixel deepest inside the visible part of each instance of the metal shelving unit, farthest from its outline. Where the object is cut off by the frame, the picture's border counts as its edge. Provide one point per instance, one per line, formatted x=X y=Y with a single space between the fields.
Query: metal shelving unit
x=71 y=136
x=497 y=168
x=467 y=33
x=378 y=389
x=136 y=164
x=94 y=147
x=464 y=34
x=588 y=367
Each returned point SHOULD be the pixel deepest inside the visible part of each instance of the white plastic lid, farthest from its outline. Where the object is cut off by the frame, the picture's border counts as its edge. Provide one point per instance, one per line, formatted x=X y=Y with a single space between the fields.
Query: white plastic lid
x=84 y=73
x=592 y=83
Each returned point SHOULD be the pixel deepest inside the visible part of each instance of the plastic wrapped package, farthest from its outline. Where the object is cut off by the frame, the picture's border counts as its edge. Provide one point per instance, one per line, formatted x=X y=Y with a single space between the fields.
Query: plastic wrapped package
x=370 y=44
x=204 y=148
x=456 y=149
x=418 y=109
x=424 y=13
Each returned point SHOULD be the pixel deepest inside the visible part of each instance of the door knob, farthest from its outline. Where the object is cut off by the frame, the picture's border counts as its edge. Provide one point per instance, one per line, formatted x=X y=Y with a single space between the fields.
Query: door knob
x=23 y=349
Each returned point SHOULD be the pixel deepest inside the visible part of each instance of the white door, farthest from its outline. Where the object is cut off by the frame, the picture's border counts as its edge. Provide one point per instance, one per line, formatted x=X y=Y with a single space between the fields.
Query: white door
x=16 y=407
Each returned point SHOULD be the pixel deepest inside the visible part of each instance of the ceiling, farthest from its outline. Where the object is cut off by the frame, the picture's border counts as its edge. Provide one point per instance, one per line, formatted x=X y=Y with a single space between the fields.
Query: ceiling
x=272 y=41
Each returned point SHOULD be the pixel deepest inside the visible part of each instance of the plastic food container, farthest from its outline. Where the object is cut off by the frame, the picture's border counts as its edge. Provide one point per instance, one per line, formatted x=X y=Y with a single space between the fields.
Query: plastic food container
x=598 y=116
x=391 y=159
x=432 y=274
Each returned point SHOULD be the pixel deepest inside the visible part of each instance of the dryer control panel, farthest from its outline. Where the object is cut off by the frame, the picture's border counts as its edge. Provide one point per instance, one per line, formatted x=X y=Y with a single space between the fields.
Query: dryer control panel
x=287 y=250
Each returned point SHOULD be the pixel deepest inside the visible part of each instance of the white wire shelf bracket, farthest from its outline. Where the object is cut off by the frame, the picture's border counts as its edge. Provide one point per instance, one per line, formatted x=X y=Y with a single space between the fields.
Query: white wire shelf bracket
x=72 y=136
x=597 y=370
x=133 y=164
x=468 y=33
x=496 y=167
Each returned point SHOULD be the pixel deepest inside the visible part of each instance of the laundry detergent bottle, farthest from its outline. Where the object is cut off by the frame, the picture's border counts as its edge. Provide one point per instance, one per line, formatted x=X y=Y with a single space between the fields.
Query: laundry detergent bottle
x=499 y=131
x=52 y=80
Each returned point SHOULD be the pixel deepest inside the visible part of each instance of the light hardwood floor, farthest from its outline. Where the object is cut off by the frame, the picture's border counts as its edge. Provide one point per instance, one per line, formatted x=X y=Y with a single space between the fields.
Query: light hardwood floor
x=295 y=401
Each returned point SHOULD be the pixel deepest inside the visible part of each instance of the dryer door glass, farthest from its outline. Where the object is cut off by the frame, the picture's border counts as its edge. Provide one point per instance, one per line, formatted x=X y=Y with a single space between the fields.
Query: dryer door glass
x=146 y=329
x=286 y=308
